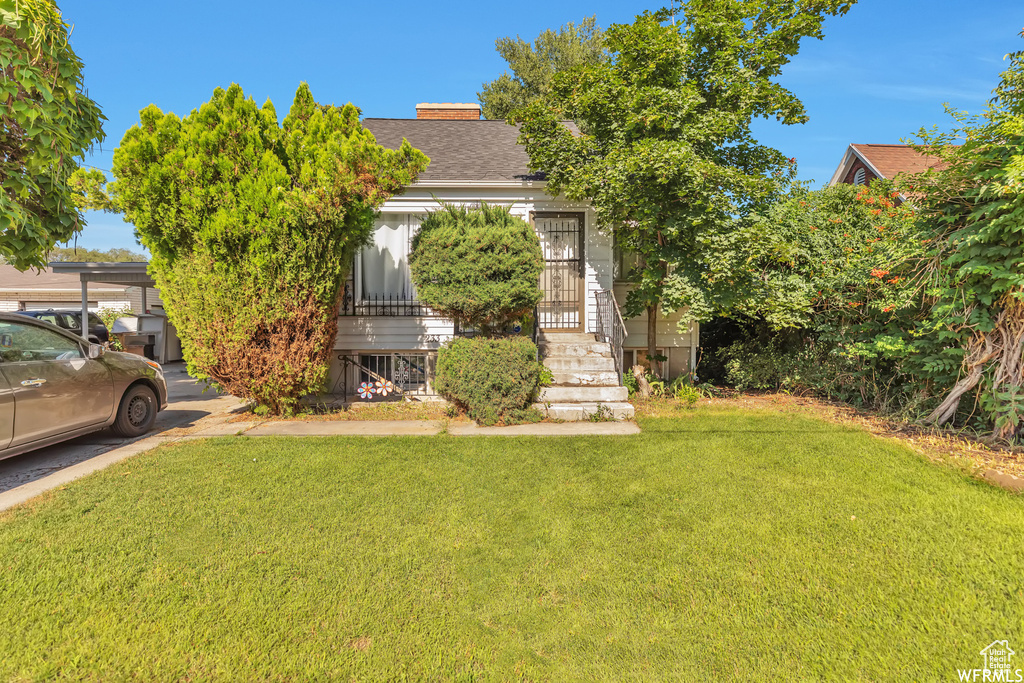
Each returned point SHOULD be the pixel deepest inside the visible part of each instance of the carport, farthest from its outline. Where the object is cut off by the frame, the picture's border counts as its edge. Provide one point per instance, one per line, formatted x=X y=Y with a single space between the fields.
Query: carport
x=167 y=346
x=133 y=274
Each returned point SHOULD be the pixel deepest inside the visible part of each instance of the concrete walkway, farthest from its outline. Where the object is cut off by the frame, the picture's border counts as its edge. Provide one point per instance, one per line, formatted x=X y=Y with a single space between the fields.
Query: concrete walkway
x=218 y=424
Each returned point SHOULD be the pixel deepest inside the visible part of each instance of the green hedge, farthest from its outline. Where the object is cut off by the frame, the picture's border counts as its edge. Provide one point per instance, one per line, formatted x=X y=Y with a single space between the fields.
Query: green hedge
x=492 y=379
x=479 y=267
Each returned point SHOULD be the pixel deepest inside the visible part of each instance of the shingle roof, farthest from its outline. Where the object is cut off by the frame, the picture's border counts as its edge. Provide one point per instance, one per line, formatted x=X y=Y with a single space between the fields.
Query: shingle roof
x=893 y=159
x=460 y=150
x=13 y=280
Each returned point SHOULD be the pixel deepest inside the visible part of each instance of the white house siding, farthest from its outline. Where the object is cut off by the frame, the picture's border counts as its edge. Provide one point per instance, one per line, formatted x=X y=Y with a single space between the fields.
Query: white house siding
x=680 y=343
x=409 y=333
x=599 y=258
x=134 y=299
x=392 y=333
x=60 y=299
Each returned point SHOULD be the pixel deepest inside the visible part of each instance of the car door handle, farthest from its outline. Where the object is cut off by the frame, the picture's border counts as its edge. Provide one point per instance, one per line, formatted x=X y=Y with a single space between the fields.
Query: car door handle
x=34 y=382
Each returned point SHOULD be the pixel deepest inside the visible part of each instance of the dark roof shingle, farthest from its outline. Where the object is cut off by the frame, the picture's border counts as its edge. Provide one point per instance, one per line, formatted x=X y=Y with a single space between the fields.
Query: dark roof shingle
x=460 y=150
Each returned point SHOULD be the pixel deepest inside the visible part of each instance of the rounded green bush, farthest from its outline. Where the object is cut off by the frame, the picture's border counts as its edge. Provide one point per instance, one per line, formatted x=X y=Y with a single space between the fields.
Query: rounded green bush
x=492 y=379
x=480 y=267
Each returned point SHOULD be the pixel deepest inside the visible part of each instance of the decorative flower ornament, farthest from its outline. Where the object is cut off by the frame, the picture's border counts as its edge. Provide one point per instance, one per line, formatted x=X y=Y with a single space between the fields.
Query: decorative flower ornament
x=366 y=390
x=384 y=387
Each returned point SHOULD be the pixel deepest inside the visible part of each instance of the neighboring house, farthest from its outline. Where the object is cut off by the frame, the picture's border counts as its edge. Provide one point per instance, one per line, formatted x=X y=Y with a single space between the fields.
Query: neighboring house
x=863 y=163
x=45 y=289
x=383 y=330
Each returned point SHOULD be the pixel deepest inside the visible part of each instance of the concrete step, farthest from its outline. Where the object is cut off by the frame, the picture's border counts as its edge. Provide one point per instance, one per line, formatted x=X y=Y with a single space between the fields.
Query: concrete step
x=557 y=364
x=567 y=337
x=562 y=350
x=583 y=394
x=580 y=412
x=586 y=378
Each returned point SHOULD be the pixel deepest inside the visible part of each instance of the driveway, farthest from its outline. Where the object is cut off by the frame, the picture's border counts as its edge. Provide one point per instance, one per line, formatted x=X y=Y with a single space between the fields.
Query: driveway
x=186 y=403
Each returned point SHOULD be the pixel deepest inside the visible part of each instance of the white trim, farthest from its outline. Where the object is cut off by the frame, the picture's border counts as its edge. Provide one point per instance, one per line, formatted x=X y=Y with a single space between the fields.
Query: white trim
x=536 y=184
x=844 y=166
x=448 y=105
x=840 y=173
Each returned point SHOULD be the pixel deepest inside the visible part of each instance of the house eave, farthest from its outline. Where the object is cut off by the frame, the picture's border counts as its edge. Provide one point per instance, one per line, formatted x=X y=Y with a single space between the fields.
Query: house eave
x=847 y=162
x=480 y=183
x=844 y=166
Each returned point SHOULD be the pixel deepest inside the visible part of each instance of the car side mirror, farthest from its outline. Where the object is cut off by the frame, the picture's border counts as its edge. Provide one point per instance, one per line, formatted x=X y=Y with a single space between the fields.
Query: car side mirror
x=96 y=350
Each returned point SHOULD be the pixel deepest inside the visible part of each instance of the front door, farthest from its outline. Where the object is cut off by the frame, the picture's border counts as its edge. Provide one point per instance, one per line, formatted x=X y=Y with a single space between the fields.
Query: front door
x=561 y=241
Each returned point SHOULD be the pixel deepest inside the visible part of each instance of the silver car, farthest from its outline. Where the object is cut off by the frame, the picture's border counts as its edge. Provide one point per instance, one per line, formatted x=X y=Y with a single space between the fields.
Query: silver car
x=56 y=386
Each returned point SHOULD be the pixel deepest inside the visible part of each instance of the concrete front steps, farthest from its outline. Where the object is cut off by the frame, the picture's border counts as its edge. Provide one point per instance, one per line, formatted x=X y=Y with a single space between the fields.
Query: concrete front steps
x=586 y=384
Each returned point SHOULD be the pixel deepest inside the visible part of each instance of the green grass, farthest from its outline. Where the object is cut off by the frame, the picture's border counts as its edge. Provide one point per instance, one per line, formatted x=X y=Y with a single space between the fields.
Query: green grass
x=719 y=545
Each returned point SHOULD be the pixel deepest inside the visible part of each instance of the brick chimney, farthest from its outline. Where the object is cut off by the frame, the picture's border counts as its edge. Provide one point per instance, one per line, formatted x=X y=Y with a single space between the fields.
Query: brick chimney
x=448 y=110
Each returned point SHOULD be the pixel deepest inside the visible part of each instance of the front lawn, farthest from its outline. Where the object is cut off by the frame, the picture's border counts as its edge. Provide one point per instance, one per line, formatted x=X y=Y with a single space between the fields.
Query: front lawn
x=721 y=544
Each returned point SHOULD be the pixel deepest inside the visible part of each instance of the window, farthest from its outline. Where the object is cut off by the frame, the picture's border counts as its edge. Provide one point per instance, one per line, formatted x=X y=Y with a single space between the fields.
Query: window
x=624 y=262
x=52 y=318
x=631 y=357
x=382 y=269
x=20 y=342
x=860 y=177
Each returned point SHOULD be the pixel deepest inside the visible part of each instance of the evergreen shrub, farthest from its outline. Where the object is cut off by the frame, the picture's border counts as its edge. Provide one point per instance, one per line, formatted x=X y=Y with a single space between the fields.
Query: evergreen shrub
x=479 y=267
x=493 y=380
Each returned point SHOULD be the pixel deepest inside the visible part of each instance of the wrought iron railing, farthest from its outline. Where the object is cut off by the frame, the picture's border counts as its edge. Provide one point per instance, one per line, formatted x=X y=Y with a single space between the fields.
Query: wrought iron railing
x=385 y=306
x=381 y=304
x=610 y=326
x=385 y=375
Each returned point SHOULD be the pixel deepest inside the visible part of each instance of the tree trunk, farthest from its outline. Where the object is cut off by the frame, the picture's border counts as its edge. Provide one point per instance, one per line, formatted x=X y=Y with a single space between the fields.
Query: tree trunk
x=644 y=387
x=1002 y=348
x=652 y=340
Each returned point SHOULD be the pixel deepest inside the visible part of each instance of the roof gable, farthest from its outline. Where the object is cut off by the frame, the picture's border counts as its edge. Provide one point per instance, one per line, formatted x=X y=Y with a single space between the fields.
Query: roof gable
x=893 y=159
x=885 y=161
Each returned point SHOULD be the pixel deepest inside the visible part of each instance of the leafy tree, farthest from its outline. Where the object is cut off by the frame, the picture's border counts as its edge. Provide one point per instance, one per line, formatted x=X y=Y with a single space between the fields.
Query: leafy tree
x=534 y=66
x=480 y=267
x=667 y=155
x=252 y=225
x=827 y=286
x=975 y=340
x=46 y=122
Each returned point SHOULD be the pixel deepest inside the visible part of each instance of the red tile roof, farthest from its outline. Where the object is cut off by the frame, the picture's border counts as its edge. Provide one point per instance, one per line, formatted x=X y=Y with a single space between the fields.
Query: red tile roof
x=889 y=160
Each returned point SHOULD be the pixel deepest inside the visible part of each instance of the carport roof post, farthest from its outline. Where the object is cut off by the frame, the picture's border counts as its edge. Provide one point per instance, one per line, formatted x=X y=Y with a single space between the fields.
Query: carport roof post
x=133 y=273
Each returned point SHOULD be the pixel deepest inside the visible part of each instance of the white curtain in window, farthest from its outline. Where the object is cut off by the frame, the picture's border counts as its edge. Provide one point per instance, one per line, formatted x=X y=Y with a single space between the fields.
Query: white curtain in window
x=384 y=264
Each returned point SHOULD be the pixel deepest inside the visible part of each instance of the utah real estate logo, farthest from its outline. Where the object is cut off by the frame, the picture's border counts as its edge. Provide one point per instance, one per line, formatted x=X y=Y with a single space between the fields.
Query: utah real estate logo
x=998 y=667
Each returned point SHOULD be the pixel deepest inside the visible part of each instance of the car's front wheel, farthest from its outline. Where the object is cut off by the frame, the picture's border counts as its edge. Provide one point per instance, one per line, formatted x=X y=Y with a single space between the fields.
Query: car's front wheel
x=137 y=412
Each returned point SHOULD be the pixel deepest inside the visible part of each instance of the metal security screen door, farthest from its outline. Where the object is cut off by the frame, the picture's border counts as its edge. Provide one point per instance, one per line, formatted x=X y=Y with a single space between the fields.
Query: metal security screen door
x=561 y=241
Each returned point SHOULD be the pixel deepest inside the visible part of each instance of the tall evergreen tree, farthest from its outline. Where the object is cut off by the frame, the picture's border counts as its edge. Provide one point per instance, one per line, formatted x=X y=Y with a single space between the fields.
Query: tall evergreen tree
x=252 y=226
x=534 y=66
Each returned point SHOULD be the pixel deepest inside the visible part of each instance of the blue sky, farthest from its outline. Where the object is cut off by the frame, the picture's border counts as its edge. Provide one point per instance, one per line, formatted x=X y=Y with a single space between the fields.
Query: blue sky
x=882 y=72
